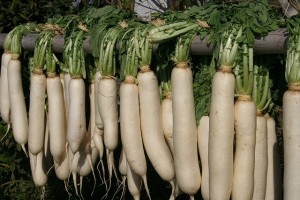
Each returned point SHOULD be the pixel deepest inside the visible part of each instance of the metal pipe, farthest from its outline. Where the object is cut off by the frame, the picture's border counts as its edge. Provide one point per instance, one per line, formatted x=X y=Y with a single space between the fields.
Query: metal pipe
x=274 y=43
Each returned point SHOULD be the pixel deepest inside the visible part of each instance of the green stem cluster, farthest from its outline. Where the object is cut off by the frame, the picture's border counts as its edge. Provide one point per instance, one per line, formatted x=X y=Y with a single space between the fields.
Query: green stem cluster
x=244 y=74
x=166 y=32
x=292 y=73
x=41 y=50
x=74 y=54
x=261 y=94
x=229 y=48
x=107 y=57
x=183 y=46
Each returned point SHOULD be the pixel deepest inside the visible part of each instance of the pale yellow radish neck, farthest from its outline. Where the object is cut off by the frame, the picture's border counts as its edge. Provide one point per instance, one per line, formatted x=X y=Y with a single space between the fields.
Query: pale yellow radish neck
x=203 y=136
x=245 y=128
x=185 y=131
x=221 y=135
x=291 y=139
x=261 y=158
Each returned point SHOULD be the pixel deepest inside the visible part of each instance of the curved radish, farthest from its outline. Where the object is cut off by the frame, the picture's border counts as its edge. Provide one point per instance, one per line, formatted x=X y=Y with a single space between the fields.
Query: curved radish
x=36 y=112
x=203 y=136
x=274 y=176
x=130 y=128
x=4 y=102
x=108 y=108
x=221 y=134
x=76 y=128
x=261 y=159
x=244 y=160
x=151 y=126
x=18 y=109
x=57 y=118
x=184 y=130
x=107 y=105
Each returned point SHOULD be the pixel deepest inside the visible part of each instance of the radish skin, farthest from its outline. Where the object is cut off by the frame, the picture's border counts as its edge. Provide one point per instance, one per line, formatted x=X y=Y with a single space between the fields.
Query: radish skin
x=291 y=139
x=167 y=121
x=76 y=128
x=274 y=176
x=57 y=118
x=107 y=105
x=4 y=91
x=18 y=109
x=261 y=159
x=130 y=128
x=67 y=78
x=62 y=170
x=36 y=135
x=244 y=160
x=221 y=135
x=98 y=128
x=108 y=108
x=134 y=183
x=203 y=137
x=185 y=131
x=39 y=172
x=151 y=126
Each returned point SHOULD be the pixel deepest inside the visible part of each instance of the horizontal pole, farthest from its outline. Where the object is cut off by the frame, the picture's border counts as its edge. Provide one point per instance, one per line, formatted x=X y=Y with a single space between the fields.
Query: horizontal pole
x=274 y=43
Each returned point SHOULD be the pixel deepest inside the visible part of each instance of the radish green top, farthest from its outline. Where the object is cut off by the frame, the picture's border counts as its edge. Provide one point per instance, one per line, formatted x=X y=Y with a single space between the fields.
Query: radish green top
x=261 y=94
x=244 y=74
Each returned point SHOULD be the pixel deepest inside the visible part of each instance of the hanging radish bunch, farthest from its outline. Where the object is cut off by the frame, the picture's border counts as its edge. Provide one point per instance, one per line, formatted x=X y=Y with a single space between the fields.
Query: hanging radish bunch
x=202 y=131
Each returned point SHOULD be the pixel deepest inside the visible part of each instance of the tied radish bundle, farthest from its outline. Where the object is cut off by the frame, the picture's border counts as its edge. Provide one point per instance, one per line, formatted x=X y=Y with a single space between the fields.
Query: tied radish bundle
x=221 y=120
x=184 y=120
x=150 y=111
x=107 y=94
x=37 y=95
x=245 y=127
x=131 y=135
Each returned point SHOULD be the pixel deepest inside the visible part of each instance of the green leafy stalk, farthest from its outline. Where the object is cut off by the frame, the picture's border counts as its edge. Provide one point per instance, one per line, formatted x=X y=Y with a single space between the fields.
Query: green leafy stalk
x=169 y=31
x=261 y=90
x=228 y=50
x=202 y=87
x=183 y=45
x=164 y=67
x=245 y=76
x=42 y=45
x=128 y=55
x=107 y=51
x=292 y=73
